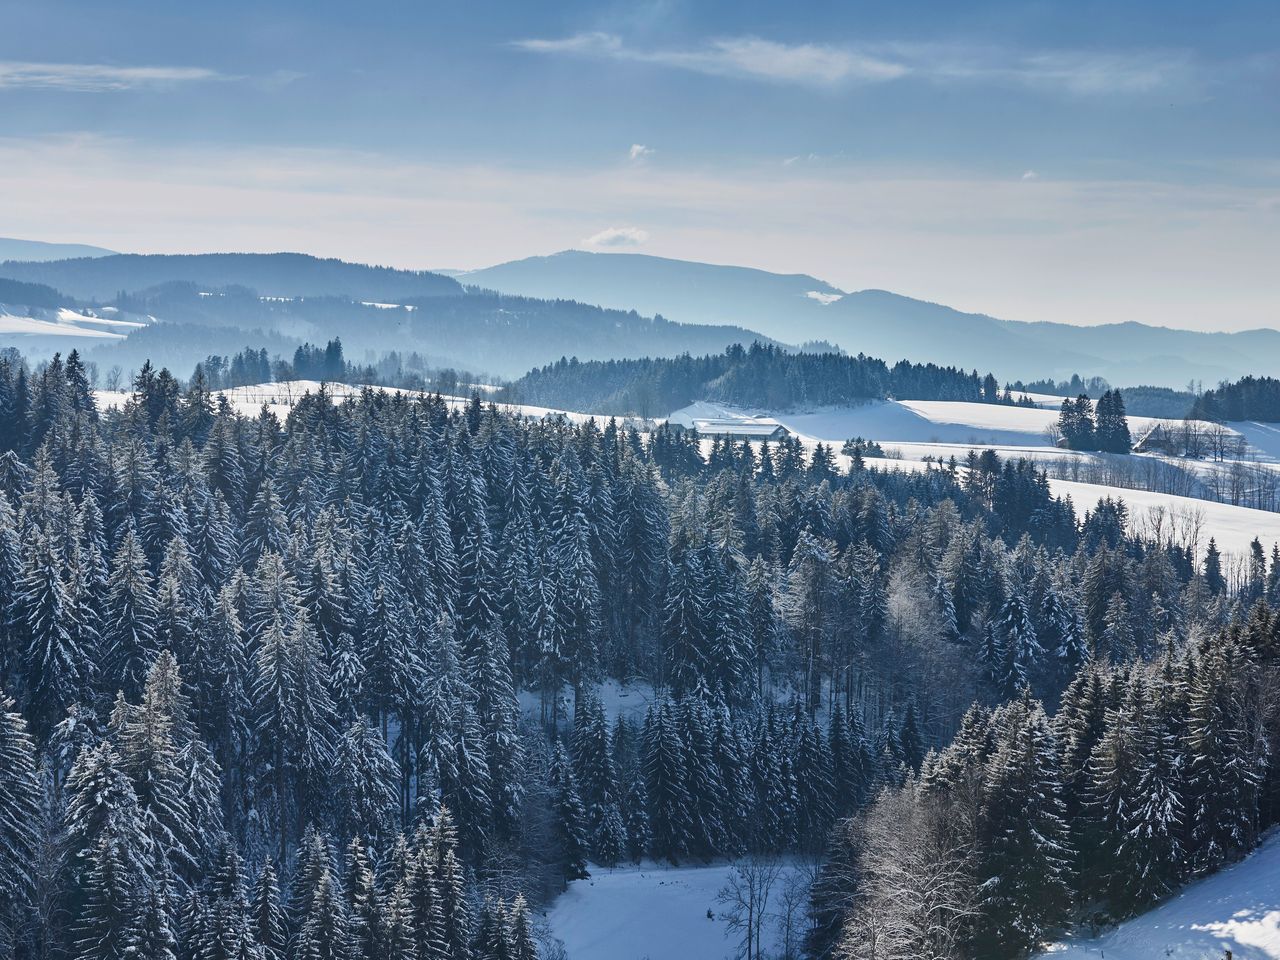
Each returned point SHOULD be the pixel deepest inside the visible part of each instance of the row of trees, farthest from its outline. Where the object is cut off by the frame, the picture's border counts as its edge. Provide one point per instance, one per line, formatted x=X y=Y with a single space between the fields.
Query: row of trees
x=1084 y=426
x=757 y=376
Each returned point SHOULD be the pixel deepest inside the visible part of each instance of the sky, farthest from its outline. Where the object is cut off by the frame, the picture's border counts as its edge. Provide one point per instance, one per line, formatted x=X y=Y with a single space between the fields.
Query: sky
x=1082 y=161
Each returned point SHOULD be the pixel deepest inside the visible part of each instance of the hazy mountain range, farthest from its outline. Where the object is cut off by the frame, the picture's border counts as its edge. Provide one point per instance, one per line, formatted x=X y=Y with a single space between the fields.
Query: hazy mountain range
x=589 y=305
x=12 y=249
x=192 y=306
x=794 y=308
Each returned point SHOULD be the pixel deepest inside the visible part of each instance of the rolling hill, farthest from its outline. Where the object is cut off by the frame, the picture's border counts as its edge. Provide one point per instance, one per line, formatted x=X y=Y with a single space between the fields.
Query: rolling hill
x=12 y=248
x=795 y=308
x=270 y=274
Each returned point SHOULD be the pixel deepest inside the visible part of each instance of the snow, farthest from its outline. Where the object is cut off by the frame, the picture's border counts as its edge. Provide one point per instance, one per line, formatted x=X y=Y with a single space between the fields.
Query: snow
x=1263 y=437
x=64 y=322
x=1237 y=910
x=655 y=912
x=918 y=421
x=1233 y=527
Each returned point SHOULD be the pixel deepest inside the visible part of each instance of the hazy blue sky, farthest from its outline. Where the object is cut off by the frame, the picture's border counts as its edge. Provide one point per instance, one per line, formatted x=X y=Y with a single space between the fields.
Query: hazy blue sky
x=1083 y=161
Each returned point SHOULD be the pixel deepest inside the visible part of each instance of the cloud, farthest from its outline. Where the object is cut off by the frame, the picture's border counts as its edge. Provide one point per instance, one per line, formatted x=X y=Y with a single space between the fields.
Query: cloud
x=1074 y=72
x=618 y=237
x=743 y=57
x=639 y=151
x=95 y=77
x=1030 y=175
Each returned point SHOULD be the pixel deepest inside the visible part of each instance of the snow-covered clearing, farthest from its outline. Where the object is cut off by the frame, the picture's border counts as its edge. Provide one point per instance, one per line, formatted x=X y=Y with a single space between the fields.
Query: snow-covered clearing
x=654 y=912
x=1237 y=910
x=1233 y=527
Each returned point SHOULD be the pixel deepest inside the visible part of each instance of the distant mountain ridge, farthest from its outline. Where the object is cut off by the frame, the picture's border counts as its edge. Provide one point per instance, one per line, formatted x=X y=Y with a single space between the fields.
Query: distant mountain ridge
x=270 y=274
x=216 y=303
x=794 y=308
x=12 y=248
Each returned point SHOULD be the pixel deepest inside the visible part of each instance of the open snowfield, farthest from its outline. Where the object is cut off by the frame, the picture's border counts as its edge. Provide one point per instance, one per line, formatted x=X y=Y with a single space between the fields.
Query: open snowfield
x=1237 y=910
x=650 y=913
x=1233 y=527
x=65 y=323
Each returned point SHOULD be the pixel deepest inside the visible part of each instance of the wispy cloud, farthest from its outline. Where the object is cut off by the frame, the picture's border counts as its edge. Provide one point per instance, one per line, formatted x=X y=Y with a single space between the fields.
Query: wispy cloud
x=639 y=151
x=746 y=57
x=618 y=237
x=1083 y=73
x=95 y=77
x=1030 y=175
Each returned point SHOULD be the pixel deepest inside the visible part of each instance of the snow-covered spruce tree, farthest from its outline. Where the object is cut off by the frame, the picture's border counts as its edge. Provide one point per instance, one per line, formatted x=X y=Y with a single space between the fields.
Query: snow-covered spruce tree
x=129 y=627
x=1223 y=756
x=1024 y=862
x=20 y=799
x=569 y=818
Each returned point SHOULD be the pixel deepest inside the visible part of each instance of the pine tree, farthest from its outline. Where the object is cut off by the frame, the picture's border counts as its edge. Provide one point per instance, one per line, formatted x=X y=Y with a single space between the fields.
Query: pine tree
x=568 y=818
x=268 y=920
x=1222 y=765
x=325 y=934
x=112 y=886
x=129 y=628
x=666 y=785
x=366 y=783
x=57 y=669
x=1025 y=858
x=20 y=797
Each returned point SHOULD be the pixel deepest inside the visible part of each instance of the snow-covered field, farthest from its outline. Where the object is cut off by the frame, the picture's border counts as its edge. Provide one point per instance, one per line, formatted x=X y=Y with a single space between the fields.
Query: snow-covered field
x=64 y=323
x=1233 y=527
x=1237 y=910
x=652 y=913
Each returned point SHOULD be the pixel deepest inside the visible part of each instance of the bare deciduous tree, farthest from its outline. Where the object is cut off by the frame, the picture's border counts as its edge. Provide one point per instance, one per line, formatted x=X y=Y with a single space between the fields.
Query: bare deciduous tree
x=745 y=898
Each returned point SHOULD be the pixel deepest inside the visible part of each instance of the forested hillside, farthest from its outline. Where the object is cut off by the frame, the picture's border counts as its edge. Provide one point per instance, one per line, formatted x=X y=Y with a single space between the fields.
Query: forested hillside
x=263 y=680
x=755 y=376
x=1249 y=398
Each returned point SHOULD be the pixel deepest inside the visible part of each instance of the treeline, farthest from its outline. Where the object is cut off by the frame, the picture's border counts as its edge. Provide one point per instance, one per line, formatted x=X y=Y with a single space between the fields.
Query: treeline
x=757 y=376
x=1249 y=398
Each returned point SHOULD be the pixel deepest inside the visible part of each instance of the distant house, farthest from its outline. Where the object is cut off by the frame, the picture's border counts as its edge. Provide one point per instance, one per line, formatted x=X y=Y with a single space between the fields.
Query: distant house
x=707 y=420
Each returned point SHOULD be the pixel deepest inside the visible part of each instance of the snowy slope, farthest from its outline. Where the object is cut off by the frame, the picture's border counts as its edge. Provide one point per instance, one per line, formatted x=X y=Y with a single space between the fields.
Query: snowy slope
x=1237 y=910
x=915 y=421
x=654 y=912
x=1233 y=527
x=62 y=322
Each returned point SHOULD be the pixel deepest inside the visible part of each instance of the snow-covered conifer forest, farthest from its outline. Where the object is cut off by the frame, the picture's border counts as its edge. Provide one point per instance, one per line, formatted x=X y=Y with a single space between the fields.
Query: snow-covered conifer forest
x=330 y=687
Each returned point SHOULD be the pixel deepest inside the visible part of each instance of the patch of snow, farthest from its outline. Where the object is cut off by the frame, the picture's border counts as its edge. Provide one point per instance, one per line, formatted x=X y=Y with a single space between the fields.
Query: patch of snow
x=15 y=325
x=385 y=306
x=651 y=912
x=75 y=318
x=1237 y=909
